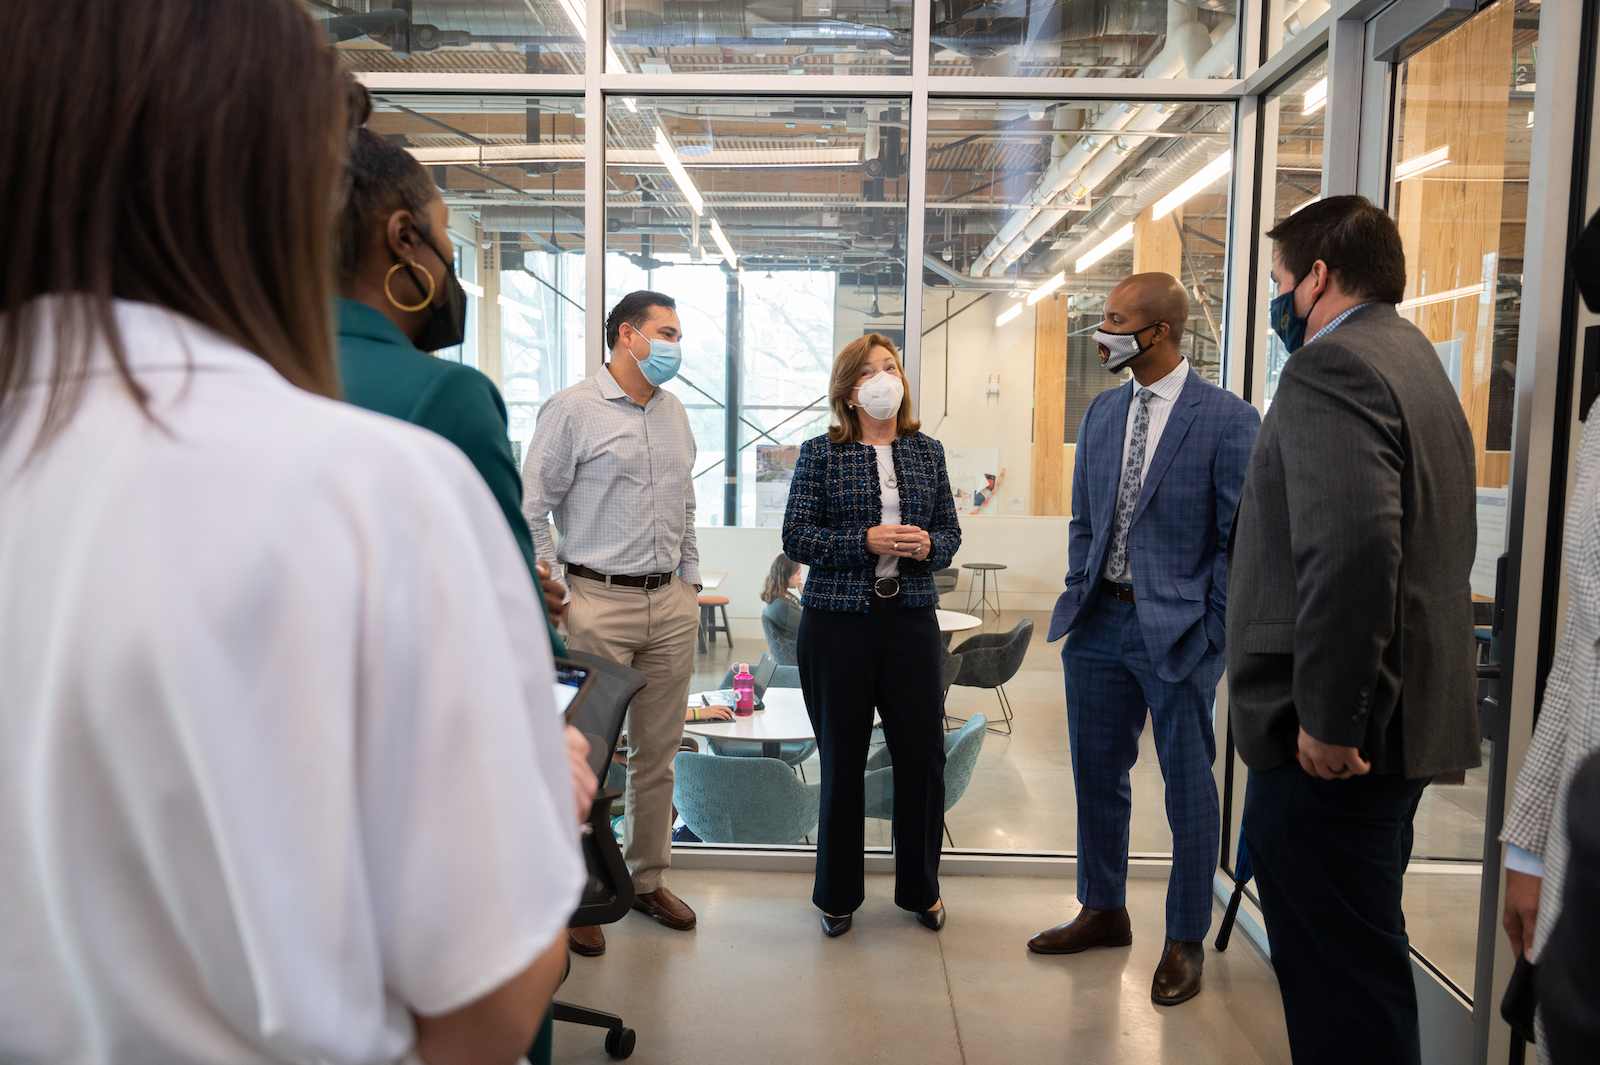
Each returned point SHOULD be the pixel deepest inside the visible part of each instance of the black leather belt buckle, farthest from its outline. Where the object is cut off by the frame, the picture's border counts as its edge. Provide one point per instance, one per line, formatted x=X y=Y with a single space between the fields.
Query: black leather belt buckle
x=886 y=587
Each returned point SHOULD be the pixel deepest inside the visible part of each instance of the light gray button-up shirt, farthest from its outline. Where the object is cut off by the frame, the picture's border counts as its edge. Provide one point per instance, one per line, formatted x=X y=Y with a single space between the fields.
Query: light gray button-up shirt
x=618 y=479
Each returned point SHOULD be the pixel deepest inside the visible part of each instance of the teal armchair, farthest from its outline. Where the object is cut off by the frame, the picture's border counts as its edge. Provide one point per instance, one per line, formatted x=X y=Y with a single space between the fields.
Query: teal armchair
x=961 y=749
x=792 y=754
x=743 y=800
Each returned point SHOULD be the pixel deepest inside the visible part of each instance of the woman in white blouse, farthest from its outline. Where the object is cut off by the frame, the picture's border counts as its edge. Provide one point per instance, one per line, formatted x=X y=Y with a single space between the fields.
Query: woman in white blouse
x=280 y=775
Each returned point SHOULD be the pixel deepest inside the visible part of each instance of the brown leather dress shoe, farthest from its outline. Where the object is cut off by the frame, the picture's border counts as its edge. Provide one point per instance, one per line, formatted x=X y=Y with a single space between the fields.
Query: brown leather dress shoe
x=589 y=941
x=1178 y=976
x=667 y=908
x=1091 y=928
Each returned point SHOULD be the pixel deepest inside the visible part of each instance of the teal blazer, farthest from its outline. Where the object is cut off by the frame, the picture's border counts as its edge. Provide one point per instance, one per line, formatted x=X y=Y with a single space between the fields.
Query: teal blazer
x=383 y=371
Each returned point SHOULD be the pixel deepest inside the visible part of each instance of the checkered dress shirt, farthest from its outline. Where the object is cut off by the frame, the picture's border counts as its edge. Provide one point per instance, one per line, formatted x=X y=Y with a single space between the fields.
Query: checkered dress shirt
x=1337 y=322
x=1569 y=719
x=617 y=477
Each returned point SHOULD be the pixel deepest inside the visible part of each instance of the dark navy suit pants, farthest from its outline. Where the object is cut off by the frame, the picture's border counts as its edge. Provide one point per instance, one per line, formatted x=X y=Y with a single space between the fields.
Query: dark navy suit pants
x=1111 y=683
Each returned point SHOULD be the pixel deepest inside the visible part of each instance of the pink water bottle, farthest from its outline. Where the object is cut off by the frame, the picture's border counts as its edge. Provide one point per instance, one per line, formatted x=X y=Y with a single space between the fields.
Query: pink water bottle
x=744 y=685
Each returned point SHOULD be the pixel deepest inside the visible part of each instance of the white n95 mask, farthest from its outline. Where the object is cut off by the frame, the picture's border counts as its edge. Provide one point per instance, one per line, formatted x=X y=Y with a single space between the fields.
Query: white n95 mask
x=880 y=395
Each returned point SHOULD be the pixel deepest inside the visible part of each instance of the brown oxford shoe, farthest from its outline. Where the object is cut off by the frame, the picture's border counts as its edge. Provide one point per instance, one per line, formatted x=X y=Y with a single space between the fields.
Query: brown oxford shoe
x=1091 y=928
x=589 y=941
x=1178 y=976
x=667 y=908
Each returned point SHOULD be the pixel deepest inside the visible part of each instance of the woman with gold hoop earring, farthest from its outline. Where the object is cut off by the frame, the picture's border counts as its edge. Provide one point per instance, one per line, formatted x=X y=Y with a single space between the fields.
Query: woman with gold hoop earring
x=399 y=299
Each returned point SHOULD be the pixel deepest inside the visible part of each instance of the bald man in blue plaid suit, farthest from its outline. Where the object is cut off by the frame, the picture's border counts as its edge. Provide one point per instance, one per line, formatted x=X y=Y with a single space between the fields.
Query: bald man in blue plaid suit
x=1159 y=467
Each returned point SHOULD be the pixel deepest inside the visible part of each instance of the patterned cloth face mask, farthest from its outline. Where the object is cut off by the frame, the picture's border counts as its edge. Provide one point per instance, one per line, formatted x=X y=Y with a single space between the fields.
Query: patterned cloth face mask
x=1121 y=348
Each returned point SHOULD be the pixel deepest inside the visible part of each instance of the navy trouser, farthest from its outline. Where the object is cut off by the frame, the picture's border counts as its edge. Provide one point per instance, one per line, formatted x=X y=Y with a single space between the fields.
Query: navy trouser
x=1111 y=682
x=1330 y=859
x=886 y=659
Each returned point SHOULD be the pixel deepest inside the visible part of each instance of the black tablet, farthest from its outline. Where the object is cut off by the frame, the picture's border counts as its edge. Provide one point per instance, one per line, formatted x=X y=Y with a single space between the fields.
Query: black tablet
x=572 y=685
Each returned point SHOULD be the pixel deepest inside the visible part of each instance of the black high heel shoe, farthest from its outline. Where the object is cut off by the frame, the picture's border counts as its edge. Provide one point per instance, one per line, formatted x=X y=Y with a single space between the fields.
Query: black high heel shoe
x=932 y=920
x=836 y=926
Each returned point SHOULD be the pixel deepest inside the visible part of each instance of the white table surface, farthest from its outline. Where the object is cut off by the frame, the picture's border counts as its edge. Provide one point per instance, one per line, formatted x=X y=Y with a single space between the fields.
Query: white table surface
x=709 y=579
x=783 y=721
x=955 y=621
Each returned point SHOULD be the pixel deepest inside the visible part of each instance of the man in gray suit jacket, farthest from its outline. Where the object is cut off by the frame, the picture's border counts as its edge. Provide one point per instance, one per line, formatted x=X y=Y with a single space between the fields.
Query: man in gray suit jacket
x=1350 y=645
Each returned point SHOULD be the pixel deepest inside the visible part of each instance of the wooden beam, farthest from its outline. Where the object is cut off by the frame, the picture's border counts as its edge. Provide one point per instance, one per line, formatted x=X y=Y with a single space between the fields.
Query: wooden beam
x=1157 y=247
x=1050 y=406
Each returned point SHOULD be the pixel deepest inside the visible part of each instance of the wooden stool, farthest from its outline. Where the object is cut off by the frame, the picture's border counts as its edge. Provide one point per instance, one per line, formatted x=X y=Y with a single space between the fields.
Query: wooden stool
x=709 y=605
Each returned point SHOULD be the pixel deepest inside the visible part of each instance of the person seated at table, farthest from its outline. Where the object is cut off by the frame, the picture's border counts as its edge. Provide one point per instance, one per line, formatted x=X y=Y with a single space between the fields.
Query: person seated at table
x=870 y=511
x=708 y=713
x=781 y=618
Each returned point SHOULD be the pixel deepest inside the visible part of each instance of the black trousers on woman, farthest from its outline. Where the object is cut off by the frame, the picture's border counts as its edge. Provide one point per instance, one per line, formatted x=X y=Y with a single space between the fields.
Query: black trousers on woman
x=850 y=664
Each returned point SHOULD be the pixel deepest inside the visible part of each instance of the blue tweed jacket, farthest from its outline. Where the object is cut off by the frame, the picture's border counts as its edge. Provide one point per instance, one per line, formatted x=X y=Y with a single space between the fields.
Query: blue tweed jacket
x=834 y=499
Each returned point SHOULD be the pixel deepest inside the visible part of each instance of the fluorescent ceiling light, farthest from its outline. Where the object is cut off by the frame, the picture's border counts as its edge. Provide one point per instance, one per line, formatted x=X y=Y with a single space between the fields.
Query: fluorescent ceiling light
x=722 y=242
x=1423 y=163
x=574 y=12
x=1441 y=297
x=1315 y=97
x=1008 y=315
x=1106 y=247
x=670 y=159
x=630 y=104
x=1180 y=195
x=742 y=158
x=521 y=308
x=1308 y=203
x=1048 y=287
x=471 y=289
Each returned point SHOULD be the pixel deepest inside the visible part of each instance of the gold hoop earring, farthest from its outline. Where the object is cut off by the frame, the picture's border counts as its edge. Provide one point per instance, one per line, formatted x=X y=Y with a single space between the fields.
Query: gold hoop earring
x=432 y=285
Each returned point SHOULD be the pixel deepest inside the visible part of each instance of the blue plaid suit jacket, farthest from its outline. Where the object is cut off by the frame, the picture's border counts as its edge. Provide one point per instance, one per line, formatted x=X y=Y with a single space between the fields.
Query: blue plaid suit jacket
x=1178 y=546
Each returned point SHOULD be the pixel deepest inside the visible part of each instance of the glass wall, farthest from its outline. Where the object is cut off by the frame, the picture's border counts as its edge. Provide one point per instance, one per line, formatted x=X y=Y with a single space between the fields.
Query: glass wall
x=511 y=170
x=779 y=226
x=1034 y=214
x=1459 y=191
x=457 y=36
x=764 y=37
x=1293 y=157
x=1072 y=39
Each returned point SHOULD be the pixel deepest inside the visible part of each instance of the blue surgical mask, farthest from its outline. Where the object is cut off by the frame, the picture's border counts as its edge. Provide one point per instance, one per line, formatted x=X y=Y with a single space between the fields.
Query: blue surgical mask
x=662 y=364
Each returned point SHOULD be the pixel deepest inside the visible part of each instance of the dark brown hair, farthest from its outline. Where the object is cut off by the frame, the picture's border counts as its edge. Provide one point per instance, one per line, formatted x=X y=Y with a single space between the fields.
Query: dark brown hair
x=178 y=152
x=1354 y=238
x=846 y=369
x=634 y=308
x=776 y=586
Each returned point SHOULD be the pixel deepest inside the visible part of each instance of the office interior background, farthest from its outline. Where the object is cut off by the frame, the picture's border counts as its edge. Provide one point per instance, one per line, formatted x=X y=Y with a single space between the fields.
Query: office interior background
x=970 y=178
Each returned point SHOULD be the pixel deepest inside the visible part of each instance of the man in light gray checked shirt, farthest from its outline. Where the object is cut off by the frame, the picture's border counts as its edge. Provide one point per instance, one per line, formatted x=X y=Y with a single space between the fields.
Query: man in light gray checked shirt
x=612 y=459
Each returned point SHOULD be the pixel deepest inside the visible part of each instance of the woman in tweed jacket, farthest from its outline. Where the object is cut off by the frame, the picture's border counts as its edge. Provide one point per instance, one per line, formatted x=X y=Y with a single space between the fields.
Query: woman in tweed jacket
x=870 y=511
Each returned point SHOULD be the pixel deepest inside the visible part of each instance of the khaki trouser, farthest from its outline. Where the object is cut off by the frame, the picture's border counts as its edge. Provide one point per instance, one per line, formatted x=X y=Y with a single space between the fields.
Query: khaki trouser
x=654 y=632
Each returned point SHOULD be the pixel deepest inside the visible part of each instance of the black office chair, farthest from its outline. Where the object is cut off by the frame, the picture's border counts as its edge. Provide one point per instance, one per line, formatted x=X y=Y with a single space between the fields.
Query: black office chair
x=609 y=894
x=989 y=660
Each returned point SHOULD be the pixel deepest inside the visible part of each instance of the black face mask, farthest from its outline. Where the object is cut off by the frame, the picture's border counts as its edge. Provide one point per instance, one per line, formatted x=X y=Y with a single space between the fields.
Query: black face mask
x=447 y=322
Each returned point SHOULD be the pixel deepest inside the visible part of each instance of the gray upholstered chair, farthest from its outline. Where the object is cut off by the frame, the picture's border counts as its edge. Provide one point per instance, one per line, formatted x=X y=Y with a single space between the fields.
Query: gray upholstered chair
x=991 y=659
x=944 y=580
x=961 y=750
x=780 y=642
x=743 y=800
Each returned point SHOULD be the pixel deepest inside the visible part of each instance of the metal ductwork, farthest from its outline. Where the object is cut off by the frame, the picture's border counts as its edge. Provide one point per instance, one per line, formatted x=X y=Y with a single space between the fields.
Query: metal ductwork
x=967 y=29
x=1178 y=165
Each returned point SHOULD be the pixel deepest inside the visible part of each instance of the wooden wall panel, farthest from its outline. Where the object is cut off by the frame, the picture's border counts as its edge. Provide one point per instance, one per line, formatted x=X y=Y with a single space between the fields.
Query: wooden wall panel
x=1457 y=93
x=1050 y=406
x=1157 y=246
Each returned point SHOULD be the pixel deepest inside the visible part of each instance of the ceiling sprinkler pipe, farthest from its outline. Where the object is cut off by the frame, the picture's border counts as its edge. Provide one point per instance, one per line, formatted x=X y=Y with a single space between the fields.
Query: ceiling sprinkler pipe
x=1217 y=61
x=1168 y=64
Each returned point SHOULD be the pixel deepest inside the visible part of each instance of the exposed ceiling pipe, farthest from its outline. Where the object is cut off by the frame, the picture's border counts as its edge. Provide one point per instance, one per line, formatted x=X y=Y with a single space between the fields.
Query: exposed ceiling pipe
x=1182 y=23
x=960 y=280
x=1109 y=154
x=1178 y=165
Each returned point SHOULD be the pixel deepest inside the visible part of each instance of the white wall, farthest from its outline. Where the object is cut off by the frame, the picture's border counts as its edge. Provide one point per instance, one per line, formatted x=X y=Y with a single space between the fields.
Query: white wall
x=975 y=419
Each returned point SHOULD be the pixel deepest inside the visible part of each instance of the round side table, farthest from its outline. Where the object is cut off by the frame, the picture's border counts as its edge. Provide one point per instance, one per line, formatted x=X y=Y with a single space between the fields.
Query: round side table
x=981 y=571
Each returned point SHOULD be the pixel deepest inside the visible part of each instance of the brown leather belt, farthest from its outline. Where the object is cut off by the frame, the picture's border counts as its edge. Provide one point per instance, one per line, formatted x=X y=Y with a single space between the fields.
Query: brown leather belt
x=649 y=582
x=1122 y=593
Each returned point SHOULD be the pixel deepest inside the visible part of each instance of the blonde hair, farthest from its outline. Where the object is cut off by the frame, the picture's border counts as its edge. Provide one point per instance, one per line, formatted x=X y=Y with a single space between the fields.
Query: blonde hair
x=846 y=369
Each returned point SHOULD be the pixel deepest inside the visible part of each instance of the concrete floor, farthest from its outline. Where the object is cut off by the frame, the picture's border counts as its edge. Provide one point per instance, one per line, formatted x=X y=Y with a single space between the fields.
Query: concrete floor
x=758 y=982
x=1021 y=795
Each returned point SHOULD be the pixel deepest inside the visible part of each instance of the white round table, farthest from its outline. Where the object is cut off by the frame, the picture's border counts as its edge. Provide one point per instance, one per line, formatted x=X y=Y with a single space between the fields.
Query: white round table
x=783 y=721
x=955 y=621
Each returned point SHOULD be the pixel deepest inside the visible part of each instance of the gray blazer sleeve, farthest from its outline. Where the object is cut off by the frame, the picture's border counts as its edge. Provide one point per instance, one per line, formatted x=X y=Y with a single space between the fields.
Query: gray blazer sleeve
x=1340 y=429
